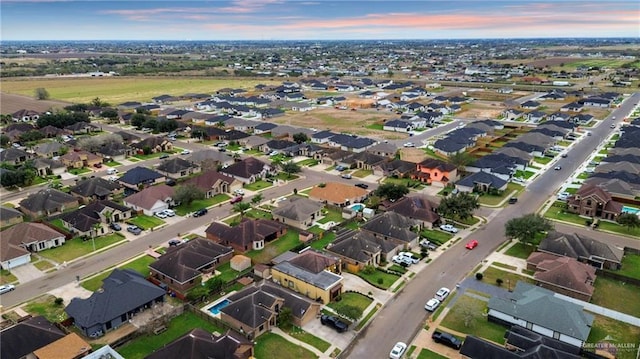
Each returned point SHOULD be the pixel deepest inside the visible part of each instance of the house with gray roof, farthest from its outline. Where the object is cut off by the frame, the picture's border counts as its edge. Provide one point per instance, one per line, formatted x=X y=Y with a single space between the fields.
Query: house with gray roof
x=200 y=344
x=357 y=250
x=248 y=170
x=299 y=212
x=9 y=216
x=96 y=188
x=140 y=177
x=584 y=249
x=124 y=293
x=177 y=167
x=481 y=181
x=90 y=221
x=393 y=227
x=15 y=156
x=18 y=242
x=22 y=339
x=539 y=310
x=417 y=208
x=50 y=149
x=210 y=159
x=385 y=149
x=47 y=166
x=47 y=202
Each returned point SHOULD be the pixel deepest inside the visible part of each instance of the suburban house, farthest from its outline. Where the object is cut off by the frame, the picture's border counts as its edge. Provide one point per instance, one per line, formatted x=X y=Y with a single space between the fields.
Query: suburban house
x=25 y=115
x=14 y=156
x=338 y=194
x=582 y=248
x=18 y=242
x=298 y=212
x=360 y=249
x=82 y=127
x=90 y=220
x=436 y=172
x=124 y=293
x=481 y=182
x=70 y=346
x=417 y=208
x=151 y=199
x=115 y=151
x=253 y=310
x=154 y=144
x=46 y=166
x=249 y=234
x=563 y=275
x=50 y=149
x=539 y=310
x=385 y=149
x=138 y=177
x=248 y=170
x=592 y=201
x=177 y=168
x=9 y=216
x=213 y=182
x=95 y=188
x=181 y=267
x=200 y=344
x=210 y=159
x=311 y=273
x=22 y=339
x=393 y=227
x=47 y=202
x=80 y=159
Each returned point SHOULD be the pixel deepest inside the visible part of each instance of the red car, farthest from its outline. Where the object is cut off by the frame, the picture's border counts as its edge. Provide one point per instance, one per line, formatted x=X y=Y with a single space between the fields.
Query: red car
x=472 y=244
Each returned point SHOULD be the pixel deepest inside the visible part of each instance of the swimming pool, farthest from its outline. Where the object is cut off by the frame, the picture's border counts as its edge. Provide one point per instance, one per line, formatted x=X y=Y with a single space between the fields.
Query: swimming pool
x=215 y=309
x=357 y=207
x=631 y=210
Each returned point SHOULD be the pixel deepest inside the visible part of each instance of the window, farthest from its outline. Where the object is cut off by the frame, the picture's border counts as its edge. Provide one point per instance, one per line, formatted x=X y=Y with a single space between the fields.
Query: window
x=291 y=284
x=556 y=335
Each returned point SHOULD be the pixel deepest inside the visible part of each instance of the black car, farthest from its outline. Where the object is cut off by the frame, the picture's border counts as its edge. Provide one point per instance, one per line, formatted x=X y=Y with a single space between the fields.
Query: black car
x=335 y=322
x=513 y=200
x=171 y=182
x=163 y=156
x=174 y=242
x=362 y=185
x=115 y=226
x=200 y=212
x=446 y=339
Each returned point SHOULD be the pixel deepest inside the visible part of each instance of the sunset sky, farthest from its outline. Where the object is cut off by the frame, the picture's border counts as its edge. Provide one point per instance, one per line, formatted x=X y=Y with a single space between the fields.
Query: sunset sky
x=315 y=19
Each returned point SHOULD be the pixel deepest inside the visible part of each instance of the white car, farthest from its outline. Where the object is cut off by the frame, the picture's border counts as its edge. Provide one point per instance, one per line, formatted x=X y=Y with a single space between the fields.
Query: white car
x=112 y=171
x=409 y=144
x=169 y=212
x=442 y=293
x=6 y=288
x=239 y=192
x=161 y=215
x=113 y=178
x=409 y=257
x=432 y=304
x=185 y=152
x=398 y=350
x=449 y=228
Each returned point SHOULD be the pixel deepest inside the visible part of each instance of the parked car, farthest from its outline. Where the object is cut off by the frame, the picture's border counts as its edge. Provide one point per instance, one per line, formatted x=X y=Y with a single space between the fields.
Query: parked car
x=200 y=212
x=409 y=144
x=169 y=212
x=236 y=199
x=171 y=182
x=239 y=192
x=113 y=178
x=185 y=152
x=471 y=244
x=449 y=228
x=398 y=350
x=7 y=288
x=513 y=200
x=362 y=185
x=163 y=156
x=98 y=165
x=442 y=293
x=432 y=304
x=161 y=214
x=335 y=322
x=134 y=229
x=405 y=262
x=346 y=175
x=428 y=245
x=409 y=257
x=115 y=226
x=446 y=339
x=340 y=168
x=174 y=242
x=112 y=171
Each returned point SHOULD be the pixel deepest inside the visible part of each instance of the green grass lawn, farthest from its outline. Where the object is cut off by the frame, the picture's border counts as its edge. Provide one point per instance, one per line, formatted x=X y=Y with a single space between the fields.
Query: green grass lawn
x=617 y=295
x=46 y=307
x=428 y=354
x=227 y=273
x=331 y=215
x=557 y=212
x=79 y=171
x=375 y=126
x=183 y=210
x=542 y=160
x=397 y=268
x=619 y=332
x=178 y=326
x=76 y=247
x=43 y=265
x=478 y=324
x=614 y=227
x=387 y=278
x=405 y=182
x=286 y=177
x=630 y=266
x=509 y=279
x=140 y=265
x=146 y=222
x=113 y=164
x=309 y=162
x=362 y=173
x=269 y=343
x=258 y=185
x=491 y=200
x=520 y=250
x=436 y=236
x=7 y=277
x=353 y=299
x=308 y=338
x=58 y=224
x=523 y=174
x=327 y=237
x=275 y=248
x=149 y=156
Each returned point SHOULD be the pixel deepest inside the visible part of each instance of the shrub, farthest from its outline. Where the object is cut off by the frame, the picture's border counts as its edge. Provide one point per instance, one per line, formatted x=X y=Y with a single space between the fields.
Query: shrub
x=499 y=281
x=368 y=270
x=380 y=281
x=58 y=301
x=479 y=276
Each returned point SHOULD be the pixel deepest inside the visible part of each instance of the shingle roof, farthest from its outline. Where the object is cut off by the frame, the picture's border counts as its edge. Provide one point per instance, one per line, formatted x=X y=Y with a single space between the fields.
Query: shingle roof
x=246 y=232
x=359 y=247
x=139 y=175
x=13 y=238
x=207 y=180
x=95 y=187
x=246 y=168
x=150 y=195
x=7 y=213
x=200 y=344
x=484 y=178
x=175 y=165
x=578 y=246
x=568 y=273
x=23 y=338
x=297 y=208
x=46 y=199
x=323 y=279
x=417 y=207
x=392 y=225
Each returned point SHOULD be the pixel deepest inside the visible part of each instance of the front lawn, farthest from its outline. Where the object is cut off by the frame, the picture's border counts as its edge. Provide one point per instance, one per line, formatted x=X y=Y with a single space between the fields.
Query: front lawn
x=331 y=215
x=353 y=299
x=617 y=333
x=146 y=222
x=405 y=182
x=58 y=224
x=558 y=213
x=79 y=171
x=149 y=156
x=308 y=338
x=362 y=173
x=509 y=279
x=428 y=354
x=140 y=265
x=630 y=266
x=617 y=295
x=520 y=250
x=112 y=164
x=615 y=227
x=473 y=310
x=76 y=247
x=275 y=248
x=258 y=185
x=269 y=343
x=46 y=307
x=7 y=277
x=286 y=177
x=142 y=346
x=523 y=174
x=542 y=160
x=493 y=200
x=309 y=162
x=433 y=235
x=183 y=210
x=379 y=278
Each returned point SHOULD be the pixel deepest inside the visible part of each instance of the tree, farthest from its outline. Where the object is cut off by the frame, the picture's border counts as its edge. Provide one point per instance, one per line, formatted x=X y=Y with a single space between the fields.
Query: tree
x=214 y=284
x=257 y=199
x=62 y=119
x=94 y=143
x=97 y=102
x=629 y=220
x=151 y=123
x=186 y=194
x=290 y=167
x=110 y=114
x=391 y=191
x=285 y=318
x=4 y=140
x=300 y=137
x=41 y=93
x=460 y=205
x=137 y=120
x=241 y=207
x=527 y=227
x=460 y=160
x=31 y=136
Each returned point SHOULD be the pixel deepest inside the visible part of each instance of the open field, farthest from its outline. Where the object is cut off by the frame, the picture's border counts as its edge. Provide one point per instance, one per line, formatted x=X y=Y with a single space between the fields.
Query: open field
x=116 y=90
x=10 y=103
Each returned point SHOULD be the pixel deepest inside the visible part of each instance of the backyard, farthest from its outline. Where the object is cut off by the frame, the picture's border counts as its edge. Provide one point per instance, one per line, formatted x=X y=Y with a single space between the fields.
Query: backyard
x=184 y=209
x=617 y=295
x=76 y=247
x=607 y=330
x=275 y=248
x=140 y=265
x=325 y=237
x=630 y=266
x=468 y=316
x=379 y=278
x=331 y=215
x=269 y=343
x=145 y=222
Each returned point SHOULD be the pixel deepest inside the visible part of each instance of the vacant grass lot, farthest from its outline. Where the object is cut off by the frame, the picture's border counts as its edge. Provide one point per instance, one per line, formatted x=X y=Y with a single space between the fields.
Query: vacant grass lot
x=76 y=247
x=617 y=295
x=374 y=278
x=140 y=265
x=46 y=307
x=618 y=332
x=183 y=210
x=509 y=279
x=520 y=250
x=352 y=299
x=146 y=222
x=473 y=309
x=178 y=326
x=269 y=343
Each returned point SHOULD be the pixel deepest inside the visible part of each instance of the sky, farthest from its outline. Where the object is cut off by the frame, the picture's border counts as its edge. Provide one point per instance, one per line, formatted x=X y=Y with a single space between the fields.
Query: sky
x=315 y=19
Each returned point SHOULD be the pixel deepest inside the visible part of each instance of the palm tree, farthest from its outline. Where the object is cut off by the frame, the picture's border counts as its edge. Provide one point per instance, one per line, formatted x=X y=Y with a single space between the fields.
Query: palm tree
x=241 y=207
x=257 y=199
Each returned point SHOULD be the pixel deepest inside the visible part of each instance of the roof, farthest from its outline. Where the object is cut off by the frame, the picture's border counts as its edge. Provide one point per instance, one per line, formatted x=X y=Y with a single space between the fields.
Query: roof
x=246 y=168
x=578 y=246
x=539 y=306
x=337 y=192
x=476 y=348
x=392 y=225
x=359 y=247
x=150 y=195
x=416 y=207
x=432 y=163
x=313 y=261
x=568 y=273
x=297 y=208
x=207 y=180
x=7 y=213
x=139 y=175
x=23 y=338
x=216 y=156
x=83 y=219
x=175 y=165
x=246 y=232
x=200 y=344
x=69 y=347
x=95 y=187
x=12 y=154
x=13 y=238
x=323 y=280
x=484 y=178
x=122 y=291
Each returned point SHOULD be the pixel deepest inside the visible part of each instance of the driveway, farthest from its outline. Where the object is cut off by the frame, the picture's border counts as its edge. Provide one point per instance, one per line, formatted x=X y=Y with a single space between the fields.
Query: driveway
x=355 y=283
x=340 y=340
x=26 y=273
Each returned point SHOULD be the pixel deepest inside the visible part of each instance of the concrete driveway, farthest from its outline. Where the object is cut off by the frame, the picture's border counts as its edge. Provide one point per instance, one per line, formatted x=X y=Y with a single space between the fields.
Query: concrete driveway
x=355 y=283
x=340 y=340
x=26 y=273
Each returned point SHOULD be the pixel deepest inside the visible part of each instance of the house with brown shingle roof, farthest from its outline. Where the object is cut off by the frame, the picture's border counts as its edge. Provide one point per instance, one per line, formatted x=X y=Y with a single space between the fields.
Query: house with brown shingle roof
x=563 y=275
x=177 y=168
x=418 y=208
x=79 y=159
x=338 y=194
x=47 y=202
x=199 y=344
x=151 y=199
x=156 y=144
x=593 y=201
x=248 y=170
x=213 y=182
x=249 y=234
x=357 y=250
x=17 y=242
x=298 y=212
x=394 y=228
x=582 y=248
